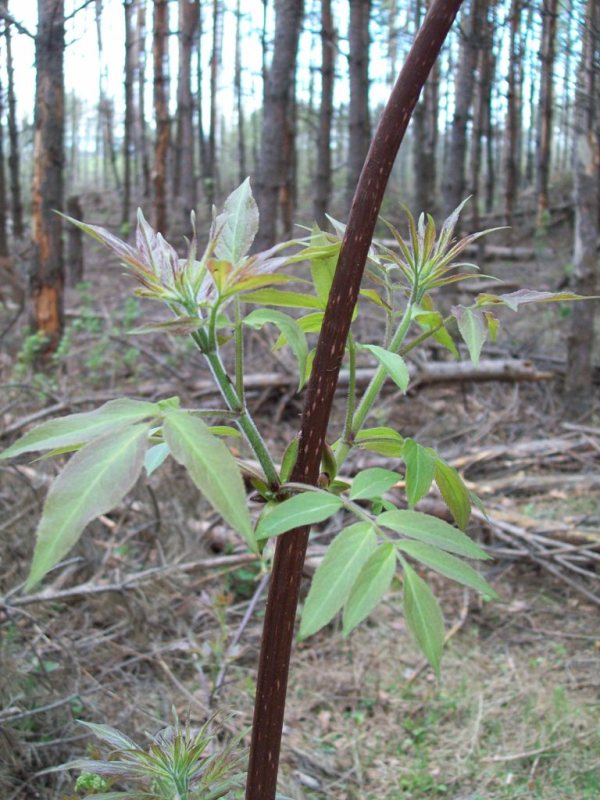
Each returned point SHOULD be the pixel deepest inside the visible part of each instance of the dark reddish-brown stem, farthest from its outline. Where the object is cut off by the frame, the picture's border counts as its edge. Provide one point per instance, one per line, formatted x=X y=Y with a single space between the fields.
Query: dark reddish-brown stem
x=291 y=548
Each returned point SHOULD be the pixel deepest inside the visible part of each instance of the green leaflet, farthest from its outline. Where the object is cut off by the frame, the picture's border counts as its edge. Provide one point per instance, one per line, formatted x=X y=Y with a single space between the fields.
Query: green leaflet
x=372 y=583
x=94 y=481
x=155 y=456
x=431 y=530
x=276 y=297
x=289 y=328
x=394 y=364
x=211 y=467
x=336 y=575
x=382 y=440
x=288 y=460
x=420 y=469
x=430 y=320
x=372 y=482
x=78 y=429
x=523 y=296
x=323 y=259
x=423 y=616
x=473 y=329
x=455 y=493
x=236 y=226
x=447 y=565
x=302 y=509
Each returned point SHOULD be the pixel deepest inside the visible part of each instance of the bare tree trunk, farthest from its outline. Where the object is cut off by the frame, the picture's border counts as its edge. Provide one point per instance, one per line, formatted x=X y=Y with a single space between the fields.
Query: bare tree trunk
x=323 y=173
x=161 y=112
x=287 y=193
x=140 y=75
x=239 y=98
x=105 y=108
x=73 y=108
x=425 y=132
x=13 y=136
x=184 y=178
x=47 y=275
x=127 y=122
x=546 y=107
x=562 y=159
x=3 y=203
x=359 y=121
x=211 y=175
x=202 y=143
x=277 y=98
x=480 y=116
x=511 y=164
x=454 y=188
x=586 y=146
x=490 y=163
x=75 y=266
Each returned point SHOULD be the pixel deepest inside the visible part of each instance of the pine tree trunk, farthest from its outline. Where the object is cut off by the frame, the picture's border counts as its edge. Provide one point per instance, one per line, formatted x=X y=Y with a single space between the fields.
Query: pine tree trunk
x=239 y=98
x=184 y=178
x=3 y=203
x=75 y=265
x=454 y=188
x=47 y=275
x=322 y=184
x=105 y=110
x=546 y=108
x=425 y=139
x=202 y=143
x=359 y=125
x=511 y=164
x=278 y=92
x=579 y=392
x=127 y=122
x=13 y=136
x=211 y=173
x=481 y=112
x=161 y=113
x=140 y=75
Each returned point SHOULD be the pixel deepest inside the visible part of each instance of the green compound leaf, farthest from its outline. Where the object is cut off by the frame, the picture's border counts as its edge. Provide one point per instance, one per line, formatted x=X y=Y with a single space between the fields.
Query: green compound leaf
x=372 y=583
x=394 y=364
x=431 y=530
x=302 y=509
x=78 y=429
x=236 y=226
x=473 y=329
x=420 y=469
x=94 y=481
x=372 y=482
x=212 y=468
x=455 y=493
x=447 y=565
x=288 y=326
x=423 y=617
x=336 y=575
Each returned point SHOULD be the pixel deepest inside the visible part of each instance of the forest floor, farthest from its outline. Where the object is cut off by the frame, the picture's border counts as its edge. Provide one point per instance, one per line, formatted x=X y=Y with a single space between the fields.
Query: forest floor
x=143 y=617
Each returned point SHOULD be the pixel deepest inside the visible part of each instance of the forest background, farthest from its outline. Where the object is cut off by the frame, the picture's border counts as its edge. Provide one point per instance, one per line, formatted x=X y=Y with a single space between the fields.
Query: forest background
x=106 y=106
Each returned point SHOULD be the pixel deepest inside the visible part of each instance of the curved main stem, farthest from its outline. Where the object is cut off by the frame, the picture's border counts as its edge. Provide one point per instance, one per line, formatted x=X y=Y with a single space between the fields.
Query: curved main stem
x=290 y=551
